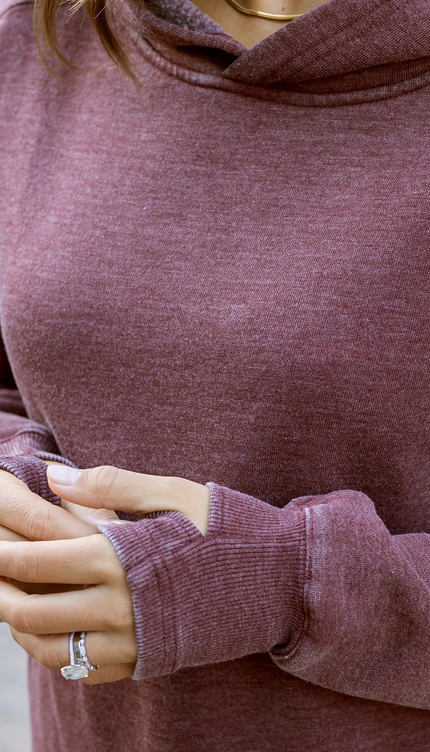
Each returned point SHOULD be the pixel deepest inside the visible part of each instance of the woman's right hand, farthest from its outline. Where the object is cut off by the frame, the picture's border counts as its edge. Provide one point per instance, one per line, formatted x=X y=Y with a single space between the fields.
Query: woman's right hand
x=26 y=516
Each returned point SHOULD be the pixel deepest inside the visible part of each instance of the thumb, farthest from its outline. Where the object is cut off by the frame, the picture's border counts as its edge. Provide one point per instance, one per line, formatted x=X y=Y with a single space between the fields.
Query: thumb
x=102 y=487
x=107 y=487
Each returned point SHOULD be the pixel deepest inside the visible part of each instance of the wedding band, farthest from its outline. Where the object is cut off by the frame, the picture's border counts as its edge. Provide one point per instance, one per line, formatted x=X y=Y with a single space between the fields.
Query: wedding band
x=77 y=669
x=83 y=653
x=76 y=651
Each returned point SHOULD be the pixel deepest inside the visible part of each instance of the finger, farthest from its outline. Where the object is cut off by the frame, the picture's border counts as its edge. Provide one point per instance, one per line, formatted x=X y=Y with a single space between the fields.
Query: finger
x=107 y=487
x=79 y=561
x=88 y=514
x=113 y=488
x=95 y=609
x=9 y=535
x=52 y=655
x=52 y=651
x=30 y=516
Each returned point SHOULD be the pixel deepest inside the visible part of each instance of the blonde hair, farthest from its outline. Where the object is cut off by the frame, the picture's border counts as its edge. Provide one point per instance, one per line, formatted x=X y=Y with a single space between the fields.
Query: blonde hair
x=45 y=17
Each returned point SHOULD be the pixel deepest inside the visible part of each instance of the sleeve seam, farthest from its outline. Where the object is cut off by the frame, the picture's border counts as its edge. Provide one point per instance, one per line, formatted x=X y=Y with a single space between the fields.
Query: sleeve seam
x=307 y=577
x=307 y=581
x=161 y=600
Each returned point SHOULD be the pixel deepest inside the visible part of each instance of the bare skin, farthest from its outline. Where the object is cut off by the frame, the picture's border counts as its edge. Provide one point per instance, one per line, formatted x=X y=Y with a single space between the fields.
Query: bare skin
x=250 y=30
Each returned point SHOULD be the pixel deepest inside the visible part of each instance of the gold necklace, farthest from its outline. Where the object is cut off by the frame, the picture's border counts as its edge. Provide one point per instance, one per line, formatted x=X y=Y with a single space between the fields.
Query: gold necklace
x=260 y=14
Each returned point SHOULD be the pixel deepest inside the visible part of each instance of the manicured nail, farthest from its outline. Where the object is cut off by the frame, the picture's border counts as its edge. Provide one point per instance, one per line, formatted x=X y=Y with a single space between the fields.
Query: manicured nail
x=63 y=475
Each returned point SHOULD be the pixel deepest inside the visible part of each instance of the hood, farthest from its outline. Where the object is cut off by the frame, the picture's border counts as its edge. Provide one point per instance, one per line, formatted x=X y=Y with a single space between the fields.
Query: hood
x=382 y=40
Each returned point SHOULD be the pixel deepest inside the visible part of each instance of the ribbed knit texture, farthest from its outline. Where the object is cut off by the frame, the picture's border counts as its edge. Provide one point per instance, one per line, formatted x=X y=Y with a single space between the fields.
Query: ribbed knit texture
x=32 y=472
x=179 y=623
x=23 y=451
x=224 y=275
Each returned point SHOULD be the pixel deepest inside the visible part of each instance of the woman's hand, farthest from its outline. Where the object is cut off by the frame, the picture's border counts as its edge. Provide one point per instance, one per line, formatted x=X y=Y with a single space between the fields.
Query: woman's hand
x=41 y=623
x=102 y=605
x=26 y=516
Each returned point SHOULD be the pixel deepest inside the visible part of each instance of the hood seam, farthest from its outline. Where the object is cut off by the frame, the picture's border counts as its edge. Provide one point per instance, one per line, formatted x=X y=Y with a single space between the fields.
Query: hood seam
x=277 y=96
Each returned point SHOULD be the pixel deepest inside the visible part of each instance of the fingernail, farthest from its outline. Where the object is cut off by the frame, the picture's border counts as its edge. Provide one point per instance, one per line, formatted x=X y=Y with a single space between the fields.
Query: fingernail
x=63 y=475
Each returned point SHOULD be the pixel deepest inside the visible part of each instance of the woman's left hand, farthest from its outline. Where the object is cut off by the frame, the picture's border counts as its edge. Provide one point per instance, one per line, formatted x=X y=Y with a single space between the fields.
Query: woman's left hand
x=103 y=606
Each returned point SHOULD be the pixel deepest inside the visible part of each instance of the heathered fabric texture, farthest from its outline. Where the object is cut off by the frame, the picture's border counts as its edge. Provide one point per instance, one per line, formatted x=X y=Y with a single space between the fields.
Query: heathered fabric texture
x=224 y=275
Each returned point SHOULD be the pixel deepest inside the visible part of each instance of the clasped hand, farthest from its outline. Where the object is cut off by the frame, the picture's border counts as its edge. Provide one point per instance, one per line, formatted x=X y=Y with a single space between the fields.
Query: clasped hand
x=59 y=574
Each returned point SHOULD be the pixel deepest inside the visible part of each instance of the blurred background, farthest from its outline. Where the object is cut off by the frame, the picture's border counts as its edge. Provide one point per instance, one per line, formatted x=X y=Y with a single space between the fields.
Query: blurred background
x=14 y=712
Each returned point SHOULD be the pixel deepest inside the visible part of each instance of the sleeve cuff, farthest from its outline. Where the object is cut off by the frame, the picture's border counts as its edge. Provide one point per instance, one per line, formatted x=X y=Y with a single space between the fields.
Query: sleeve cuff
x=205 y=599
x=31 y=470
x=23 y=452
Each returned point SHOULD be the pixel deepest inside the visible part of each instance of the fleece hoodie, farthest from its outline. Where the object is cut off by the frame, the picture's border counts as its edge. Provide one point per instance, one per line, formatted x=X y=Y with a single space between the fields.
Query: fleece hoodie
x=223 y=274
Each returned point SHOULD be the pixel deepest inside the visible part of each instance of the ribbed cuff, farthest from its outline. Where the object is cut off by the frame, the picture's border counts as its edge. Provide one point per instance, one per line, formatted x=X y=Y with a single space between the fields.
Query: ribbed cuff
x=25 y=441
x=32 y=471
x=205 y=599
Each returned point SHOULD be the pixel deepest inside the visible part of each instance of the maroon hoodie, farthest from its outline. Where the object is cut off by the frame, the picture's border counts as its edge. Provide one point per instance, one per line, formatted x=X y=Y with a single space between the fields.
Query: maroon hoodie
x=224 y=274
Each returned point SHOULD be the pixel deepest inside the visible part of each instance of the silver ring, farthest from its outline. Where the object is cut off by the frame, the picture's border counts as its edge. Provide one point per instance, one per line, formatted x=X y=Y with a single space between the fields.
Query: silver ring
x=77 y=669
x=83 y=653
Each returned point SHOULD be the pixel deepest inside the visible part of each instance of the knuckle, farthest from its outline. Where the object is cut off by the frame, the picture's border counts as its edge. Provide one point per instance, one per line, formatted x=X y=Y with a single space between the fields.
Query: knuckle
x=25 y=566
x=114 y=571
x=109 y=620
x=118 y=614
x=104 y=566
x=21 y=620
x=37 y=525
x=46 y=523
x=31 y=523
x=102 y=479
x=125 y=616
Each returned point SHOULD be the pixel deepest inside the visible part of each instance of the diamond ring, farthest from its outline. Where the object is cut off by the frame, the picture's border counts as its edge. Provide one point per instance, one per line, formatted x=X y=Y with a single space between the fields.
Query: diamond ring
x=80 y=666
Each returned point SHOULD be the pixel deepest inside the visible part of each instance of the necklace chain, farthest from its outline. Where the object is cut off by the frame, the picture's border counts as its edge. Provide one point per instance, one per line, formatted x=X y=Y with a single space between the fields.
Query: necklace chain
x=261 y=14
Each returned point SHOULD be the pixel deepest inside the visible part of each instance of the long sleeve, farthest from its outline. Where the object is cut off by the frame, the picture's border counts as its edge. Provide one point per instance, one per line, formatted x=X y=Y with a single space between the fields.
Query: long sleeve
x=24 y=443
x=320 y=583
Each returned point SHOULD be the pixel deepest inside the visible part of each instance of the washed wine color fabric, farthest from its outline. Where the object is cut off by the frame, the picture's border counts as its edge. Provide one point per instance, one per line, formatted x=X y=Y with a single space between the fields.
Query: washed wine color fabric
x=223 y=274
